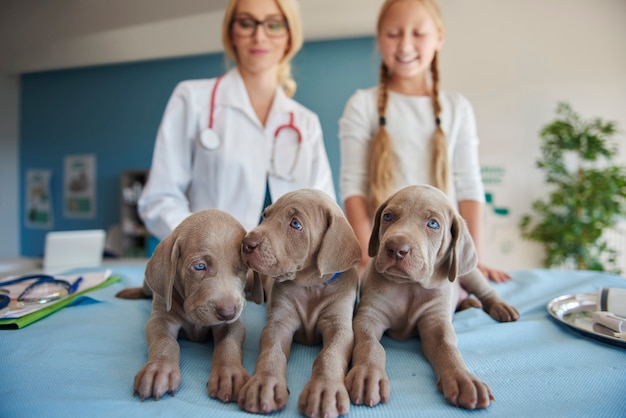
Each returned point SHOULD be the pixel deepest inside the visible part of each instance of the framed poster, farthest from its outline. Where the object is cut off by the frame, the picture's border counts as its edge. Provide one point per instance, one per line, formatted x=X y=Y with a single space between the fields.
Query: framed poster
x=38 y=199
x=80 y=186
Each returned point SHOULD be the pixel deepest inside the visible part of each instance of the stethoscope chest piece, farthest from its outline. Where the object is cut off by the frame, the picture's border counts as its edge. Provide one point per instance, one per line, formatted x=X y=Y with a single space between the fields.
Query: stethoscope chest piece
x=209 y=139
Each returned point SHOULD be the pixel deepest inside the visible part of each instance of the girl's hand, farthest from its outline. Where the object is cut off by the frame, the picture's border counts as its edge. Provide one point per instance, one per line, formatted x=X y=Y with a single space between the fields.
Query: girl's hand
x=494 y=275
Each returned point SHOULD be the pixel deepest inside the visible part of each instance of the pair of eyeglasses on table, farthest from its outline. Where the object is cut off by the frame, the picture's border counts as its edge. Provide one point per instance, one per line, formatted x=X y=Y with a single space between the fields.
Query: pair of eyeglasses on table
x=43 y=289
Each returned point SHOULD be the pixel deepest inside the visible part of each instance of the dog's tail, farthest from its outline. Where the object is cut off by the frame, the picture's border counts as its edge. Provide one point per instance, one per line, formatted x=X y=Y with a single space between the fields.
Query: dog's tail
x=133 y=293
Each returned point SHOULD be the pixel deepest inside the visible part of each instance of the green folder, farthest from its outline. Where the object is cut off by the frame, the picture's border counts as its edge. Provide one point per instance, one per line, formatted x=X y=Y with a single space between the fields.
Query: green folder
x=21 y=322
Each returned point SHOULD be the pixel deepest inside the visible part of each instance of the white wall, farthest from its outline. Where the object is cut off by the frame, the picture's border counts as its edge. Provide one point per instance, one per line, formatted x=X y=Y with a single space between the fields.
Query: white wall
x=514 y=59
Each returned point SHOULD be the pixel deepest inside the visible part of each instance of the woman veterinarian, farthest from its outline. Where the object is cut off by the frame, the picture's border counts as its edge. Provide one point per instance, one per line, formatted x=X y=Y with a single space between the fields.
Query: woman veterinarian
x=234 y=141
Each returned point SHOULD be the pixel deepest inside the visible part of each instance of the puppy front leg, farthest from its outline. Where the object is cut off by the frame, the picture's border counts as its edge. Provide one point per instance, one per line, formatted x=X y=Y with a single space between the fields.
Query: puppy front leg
x=367 y=381
x=227 y=372
x=458 y=385
x=475 y=283
x=266 y=391
x=161 y=374
x=325 y=394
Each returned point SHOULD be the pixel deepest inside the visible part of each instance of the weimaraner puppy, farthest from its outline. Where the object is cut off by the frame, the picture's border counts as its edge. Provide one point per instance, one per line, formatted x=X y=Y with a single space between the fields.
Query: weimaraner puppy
x=306 y=245
x=421 y=253
x=196 y=279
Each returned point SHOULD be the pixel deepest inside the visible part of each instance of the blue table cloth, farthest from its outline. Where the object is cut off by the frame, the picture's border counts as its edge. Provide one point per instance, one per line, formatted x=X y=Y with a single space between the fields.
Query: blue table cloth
x=81 y=360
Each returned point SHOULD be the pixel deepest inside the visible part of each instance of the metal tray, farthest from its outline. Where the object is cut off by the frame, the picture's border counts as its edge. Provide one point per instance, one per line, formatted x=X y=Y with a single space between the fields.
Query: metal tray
x=576 y=311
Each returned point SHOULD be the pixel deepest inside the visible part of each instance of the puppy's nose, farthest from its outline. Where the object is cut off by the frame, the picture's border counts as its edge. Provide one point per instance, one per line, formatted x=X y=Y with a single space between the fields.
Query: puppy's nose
x=397 y=251
x=225 y=313
x=250 y=242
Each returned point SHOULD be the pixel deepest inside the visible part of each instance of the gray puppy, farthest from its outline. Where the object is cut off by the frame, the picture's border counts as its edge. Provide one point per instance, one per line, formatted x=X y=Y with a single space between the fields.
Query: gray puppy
x=196 y=278
x=307 y=248
x=422 y=255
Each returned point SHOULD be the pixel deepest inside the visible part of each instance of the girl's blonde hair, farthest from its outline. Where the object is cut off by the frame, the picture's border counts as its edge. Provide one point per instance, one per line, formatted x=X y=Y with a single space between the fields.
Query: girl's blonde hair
x=381 y=155
x=290 y=9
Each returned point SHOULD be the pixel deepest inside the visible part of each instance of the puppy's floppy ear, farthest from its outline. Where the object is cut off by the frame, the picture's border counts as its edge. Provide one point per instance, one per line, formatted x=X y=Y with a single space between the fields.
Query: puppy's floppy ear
x=257 y=295
x=340 y=248
x=462 y=253
x=161 y=269
x=372 y=248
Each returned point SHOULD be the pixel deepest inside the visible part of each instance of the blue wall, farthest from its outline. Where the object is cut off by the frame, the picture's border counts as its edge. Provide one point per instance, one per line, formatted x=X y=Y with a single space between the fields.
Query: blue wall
x=114 y=112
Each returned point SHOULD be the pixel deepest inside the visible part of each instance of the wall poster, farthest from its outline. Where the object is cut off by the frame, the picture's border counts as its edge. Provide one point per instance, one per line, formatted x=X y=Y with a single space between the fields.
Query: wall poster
x=38 y=199
x=80 y=186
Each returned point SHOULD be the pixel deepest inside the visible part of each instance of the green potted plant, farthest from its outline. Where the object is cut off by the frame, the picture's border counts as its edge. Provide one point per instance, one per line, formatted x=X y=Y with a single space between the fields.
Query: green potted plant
x=587 y=193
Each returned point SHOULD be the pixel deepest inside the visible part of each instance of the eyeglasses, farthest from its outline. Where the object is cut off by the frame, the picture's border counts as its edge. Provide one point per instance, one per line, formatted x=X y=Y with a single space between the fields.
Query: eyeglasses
x=246 y=26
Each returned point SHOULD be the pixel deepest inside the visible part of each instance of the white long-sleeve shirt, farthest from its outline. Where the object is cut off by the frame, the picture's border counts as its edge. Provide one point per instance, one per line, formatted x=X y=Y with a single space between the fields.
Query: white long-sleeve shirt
x=410 y=122
x=186 y=176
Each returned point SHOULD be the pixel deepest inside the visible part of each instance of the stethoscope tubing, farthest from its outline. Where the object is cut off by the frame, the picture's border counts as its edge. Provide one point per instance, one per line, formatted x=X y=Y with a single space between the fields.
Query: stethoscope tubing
x=39 y=280
x=213 y=96
x=291 y=125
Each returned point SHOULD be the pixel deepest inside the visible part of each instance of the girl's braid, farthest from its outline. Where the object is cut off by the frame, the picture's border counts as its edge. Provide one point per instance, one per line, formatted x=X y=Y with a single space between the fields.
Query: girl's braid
x=381 y=154
x=440 y=171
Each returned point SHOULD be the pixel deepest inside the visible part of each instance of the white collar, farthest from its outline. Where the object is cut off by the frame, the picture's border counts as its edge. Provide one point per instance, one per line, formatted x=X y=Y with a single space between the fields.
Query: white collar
x=232 y=92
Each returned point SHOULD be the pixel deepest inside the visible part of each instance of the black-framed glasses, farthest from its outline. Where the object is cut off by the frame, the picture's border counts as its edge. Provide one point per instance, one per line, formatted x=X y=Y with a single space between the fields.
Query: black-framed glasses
x=274 y=27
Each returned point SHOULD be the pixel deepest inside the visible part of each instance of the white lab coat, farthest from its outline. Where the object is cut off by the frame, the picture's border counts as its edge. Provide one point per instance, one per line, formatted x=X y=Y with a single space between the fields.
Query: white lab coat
x=186 y=177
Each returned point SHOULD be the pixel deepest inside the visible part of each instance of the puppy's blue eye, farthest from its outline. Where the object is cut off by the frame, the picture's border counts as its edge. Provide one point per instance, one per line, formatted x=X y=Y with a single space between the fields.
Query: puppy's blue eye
x=433 y=224
x=199 y=267
x=387 y=217
x=295 y=224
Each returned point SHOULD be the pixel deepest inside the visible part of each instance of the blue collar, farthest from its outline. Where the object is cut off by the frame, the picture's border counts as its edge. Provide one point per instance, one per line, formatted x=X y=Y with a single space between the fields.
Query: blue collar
x=334 y=276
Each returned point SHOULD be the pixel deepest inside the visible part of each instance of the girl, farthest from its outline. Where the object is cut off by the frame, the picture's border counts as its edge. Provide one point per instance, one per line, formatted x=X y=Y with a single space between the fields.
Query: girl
x=405 y=131
x=238 y=141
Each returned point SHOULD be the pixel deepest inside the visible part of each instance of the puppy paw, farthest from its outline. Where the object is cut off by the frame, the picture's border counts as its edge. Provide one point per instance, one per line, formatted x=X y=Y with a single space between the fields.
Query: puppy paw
x=368 y=385
x=155 y=379
x=465 y=390
x=324 y=398
x=503 y=312
x=226 y=382
x=263 y=395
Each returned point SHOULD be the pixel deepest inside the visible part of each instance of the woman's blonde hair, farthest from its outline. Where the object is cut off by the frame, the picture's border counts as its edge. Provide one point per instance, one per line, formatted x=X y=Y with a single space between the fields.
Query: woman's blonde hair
x=381 y=155
x=290 y=9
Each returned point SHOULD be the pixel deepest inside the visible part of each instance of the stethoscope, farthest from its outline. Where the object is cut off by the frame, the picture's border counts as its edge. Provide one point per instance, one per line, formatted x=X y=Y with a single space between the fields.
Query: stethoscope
x=58 y=289
x=211 y=141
